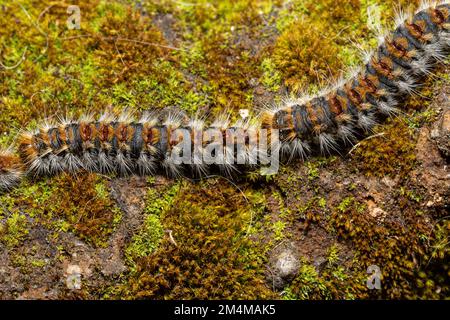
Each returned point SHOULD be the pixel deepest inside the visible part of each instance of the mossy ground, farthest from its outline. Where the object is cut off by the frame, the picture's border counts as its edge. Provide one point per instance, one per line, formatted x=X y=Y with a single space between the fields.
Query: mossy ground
x=213 y=238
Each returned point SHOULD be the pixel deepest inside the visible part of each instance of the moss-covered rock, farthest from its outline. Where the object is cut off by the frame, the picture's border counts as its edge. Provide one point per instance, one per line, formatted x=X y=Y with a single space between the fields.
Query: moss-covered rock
x=383 y=204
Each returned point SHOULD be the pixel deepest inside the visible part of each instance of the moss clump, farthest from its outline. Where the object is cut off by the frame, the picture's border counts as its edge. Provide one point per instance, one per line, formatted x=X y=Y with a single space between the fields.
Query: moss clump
x=271 y=78
x=299 y=45
x=311 y=46
x=278 y=229
x=160 y=200
x=308 y=284
x=390 y=151
x=14 y=230
x=62 y=204
x=90 y=214
x=147 y=239
x=334 y=282
x=410 y=266
x=207 y=260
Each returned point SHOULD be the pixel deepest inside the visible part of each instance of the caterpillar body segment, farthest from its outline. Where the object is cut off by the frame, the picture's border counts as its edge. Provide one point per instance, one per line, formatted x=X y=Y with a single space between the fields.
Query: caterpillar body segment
x=320 y=123
x=11 y=170
x=393 y=71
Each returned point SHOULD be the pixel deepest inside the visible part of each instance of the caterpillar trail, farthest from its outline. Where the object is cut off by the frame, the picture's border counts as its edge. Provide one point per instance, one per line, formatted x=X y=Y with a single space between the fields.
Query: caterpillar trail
x=143 y=146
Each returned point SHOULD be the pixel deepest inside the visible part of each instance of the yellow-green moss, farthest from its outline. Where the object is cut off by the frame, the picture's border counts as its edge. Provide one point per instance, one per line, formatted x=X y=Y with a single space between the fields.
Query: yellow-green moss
x=14 y=230
x=63 y=203
x=147 y=239
x=398 y=249
x=333 y=282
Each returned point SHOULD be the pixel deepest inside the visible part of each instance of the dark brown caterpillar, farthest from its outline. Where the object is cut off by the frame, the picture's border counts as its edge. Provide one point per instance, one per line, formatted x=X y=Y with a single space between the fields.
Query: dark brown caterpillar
x=128 y=146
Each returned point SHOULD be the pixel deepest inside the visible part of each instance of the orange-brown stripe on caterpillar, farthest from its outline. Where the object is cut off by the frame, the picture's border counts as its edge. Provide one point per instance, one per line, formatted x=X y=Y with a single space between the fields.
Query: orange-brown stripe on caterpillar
x=267 y=120
x=57 y=143
x=88 y=133
x=33 y=146
x=176 y=136
x=70 y=136
x=357 y=96
x=337 y=104
x=280 y=120
x=398 y=48
x=339 y=107
x=385 y=67
x=439 y=16
x=124 y=134
x=315 y=116
x=210 y=135
x=283 y=120
x=11 y=170
x=417 y=30
x=150 y=136
x=9 y=162
x=44 y=136
x=105 y=135
x=371 y=84
x=28 y=147
x=63 y=136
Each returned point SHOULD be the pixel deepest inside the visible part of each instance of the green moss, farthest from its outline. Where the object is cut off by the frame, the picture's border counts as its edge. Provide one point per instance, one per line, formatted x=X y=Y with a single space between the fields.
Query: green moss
x=94 y=223
x=314 y=43
x=333 y=255
x=278 y=229
x=80 y=205
x=271 y=78
x=313 y=170
x=322 y=203
x=345 y=204
x=208 y=222
x=308 y=283
x=158 y=201
x=395 y=248
x=333 y=282
x=14 y=230
x=38 y=263
x=146 y=240
x=390 y=151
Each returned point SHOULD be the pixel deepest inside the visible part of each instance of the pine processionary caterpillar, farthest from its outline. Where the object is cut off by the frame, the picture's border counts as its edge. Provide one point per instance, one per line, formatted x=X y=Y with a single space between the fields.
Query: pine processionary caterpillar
x=126 y=146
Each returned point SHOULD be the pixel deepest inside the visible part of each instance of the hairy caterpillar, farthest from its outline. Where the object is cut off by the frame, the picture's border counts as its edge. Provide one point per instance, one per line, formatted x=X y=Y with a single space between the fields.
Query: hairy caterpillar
x=335 y=115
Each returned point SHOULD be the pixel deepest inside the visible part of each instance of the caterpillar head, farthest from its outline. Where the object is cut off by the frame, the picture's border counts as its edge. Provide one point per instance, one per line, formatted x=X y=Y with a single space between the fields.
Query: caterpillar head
x=11 y=170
